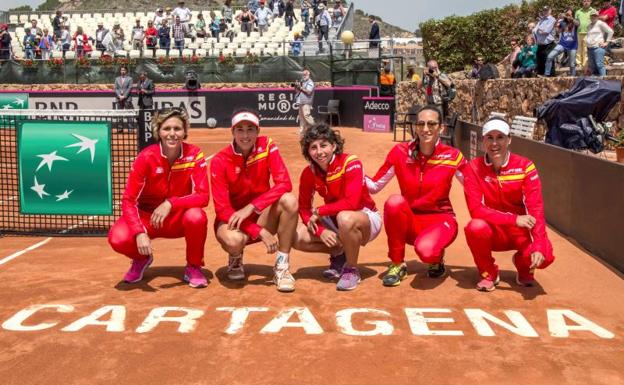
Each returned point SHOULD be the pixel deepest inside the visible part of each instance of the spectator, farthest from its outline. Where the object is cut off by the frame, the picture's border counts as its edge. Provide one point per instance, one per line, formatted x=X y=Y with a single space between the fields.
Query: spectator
x=66 y=39
x=597 y=44
x=583 y=16
x=262 y=16
x=164 y=36
x=65 y=22
x=80 y=40
x=296 y=44
x=168 y=16
x=253 y=6
x=277 y=7
x=56 y=24
x=215 y=26
x=183 y=13
x=544 y=33
x=246 y=19
x=289 y=14
x=476 y=67
x=527 y=59
x=305 y=100
x=412 y=76
x=145 y=89
x=118 y=37
x=34 y=30
x=123 y=85
x=568 y=43
x=323 y=21
x=621 y=12
x=509 y=60
x=178 y=35
x=608 y=13
x=5 y=42
x=151 y=36
x=387 y=82
x=227 y=11
x=200 y=26
x=373 y=35
x=439 y=88
x=483 y=70
x=305 y=15
x=338 y=13
x=29 y=44
x=138 y=34
x=46 y=45
x=100 y=34
x=158 y=18
x=223 y=29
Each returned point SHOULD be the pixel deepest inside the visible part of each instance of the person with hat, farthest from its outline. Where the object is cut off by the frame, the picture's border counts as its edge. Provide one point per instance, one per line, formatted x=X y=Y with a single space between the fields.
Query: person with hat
x=184 y=13
x=248 y=206
x=504 y=196
x=544 y=33
x=158 y=18
x=100 y=34
x=138 y=34
x=323 y=22
x=164 y=197
x=597 y=40
x=118 y=36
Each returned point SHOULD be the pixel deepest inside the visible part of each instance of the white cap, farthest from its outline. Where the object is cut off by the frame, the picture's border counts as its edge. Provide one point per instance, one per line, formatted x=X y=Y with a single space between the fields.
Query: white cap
x=496 y=125
x=246 y=116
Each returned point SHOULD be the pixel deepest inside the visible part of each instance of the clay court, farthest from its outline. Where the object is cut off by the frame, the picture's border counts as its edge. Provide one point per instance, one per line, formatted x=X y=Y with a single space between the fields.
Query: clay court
x=566 y=330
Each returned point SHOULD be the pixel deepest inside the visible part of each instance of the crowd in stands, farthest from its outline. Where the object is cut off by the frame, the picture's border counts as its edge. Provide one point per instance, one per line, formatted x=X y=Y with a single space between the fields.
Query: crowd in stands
x=171 y=29
x=579 y=37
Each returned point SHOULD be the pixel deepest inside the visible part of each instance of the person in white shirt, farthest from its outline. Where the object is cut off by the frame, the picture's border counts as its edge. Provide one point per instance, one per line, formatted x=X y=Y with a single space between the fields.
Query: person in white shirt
x=138 y=34
x=598 y=36
x=263 y=15
x=158 y=18
x=66 y=39
x=323 y=21
x=184 y=13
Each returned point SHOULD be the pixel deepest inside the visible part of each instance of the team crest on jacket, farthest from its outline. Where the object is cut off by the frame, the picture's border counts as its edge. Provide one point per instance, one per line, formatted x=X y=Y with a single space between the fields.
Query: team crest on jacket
x=237 y=170
x=159 y=170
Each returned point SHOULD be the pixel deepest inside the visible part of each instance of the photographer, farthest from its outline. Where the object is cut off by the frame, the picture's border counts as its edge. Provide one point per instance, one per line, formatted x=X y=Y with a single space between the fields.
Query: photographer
x=439 y=88
x=568 y=43
x=304 y=100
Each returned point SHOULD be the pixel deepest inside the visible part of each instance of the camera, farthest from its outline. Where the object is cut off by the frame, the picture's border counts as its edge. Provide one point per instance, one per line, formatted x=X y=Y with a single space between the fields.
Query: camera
x=431 y=71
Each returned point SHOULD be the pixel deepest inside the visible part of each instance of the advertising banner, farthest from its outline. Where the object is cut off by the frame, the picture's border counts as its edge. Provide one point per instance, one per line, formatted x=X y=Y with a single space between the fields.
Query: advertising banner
x=65 y=168
x=378 y=114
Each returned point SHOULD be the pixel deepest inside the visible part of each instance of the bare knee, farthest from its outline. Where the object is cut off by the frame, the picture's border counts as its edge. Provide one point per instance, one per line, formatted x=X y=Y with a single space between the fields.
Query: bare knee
x=288 y=203
x=347 y=220
x=233 y=242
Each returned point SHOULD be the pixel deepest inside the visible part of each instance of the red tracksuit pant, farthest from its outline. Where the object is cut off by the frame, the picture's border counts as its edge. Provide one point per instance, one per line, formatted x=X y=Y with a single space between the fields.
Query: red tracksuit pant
x=188 y=223
x=430 y=234
x=483 y=238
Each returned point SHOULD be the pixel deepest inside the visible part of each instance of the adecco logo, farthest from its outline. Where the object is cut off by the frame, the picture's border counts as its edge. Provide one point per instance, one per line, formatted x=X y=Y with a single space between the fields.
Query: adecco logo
x=372 y=105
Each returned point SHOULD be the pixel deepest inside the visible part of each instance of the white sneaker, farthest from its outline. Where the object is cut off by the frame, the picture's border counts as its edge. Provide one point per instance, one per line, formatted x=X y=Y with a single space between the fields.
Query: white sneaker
x=282 y=278
x=235 y=271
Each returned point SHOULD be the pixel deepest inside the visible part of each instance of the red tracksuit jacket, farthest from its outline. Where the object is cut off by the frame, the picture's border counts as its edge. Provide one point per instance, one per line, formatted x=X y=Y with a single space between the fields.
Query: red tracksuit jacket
x=424 y=182
x=499 y=199
x=237 y=182
x=342 y=188
x=152 y=180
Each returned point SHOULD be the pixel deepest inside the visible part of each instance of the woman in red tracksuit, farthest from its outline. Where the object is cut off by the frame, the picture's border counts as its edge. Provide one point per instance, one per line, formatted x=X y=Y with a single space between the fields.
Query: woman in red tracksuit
x=248 y=207
x=166 y=190
x=422 y=215
x=504 y=197
x=348 y=219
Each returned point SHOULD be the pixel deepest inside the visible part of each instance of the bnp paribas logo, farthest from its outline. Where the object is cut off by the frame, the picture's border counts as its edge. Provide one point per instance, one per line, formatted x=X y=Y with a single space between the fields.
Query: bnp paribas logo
x=64 y=168
x=11 y=101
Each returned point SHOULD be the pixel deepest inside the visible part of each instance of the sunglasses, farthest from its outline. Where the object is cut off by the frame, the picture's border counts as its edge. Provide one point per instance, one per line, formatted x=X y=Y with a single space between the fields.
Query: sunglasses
x=433 y=124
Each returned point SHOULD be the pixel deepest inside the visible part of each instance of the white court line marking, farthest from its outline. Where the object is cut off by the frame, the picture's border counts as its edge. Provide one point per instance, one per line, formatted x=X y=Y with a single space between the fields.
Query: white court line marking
x=17 y=254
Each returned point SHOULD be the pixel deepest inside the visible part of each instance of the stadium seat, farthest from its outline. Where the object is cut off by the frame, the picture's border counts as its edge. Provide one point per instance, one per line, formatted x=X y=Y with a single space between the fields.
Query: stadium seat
x=13 y=19
x=232 y=46
x=187 y=52
x=200 y=52
x=148 y=53
x=206 y=46
x=161 y=52
x=246 y=45
x=135 y=53
x=121 y=53
x=226 y=52
x=119 y=16
x=259 y=45
x=70 y=55
x=96 y=54
x=97 y=16
x=23 y=19
x=220 y=45
x=192 y=45
x=108 y=15
x=129 y=15
x=256 y=51
x=241 y=52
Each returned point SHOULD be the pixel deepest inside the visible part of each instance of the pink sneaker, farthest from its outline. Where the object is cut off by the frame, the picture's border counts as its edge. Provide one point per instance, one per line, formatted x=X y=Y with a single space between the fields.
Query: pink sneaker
x=138 y=267
x=487 y=284
x=194 y=276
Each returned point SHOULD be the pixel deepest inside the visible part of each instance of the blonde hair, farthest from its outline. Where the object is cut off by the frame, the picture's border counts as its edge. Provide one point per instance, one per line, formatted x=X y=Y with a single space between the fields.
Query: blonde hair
x=162 y=115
